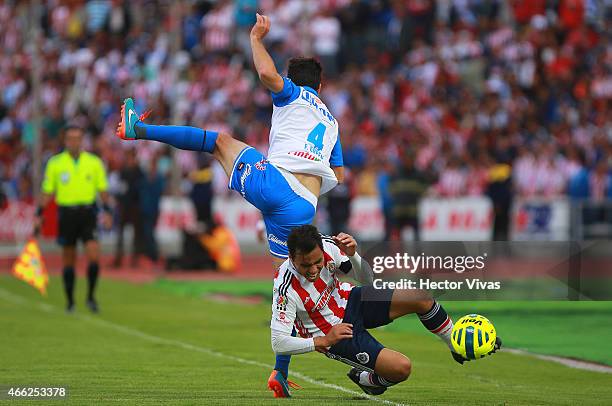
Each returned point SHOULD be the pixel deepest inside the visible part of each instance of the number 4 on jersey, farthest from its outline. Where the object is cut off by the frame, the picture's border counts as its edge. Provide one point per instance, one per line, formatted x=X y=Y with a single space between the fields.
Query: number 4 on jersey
x=316 y=136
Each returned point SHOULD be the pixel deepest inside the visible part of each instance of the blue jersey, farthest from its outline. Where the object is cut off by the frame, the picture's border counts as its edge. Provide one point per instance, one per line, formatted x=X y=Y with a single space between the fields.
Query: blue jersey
x=304 y=136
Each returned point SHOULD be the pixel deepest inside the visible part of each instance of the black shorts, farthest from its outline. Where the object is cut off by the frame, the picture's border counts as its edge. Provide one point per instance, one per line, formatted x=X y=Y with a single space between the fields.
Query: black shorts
x=77 y=223
x=366 y=308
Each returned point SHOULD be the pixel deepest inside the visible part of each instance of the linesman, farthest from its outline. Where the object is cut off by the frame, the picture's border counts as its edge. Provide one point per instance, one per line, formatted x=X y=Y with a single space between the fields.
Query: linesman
x=76 y=178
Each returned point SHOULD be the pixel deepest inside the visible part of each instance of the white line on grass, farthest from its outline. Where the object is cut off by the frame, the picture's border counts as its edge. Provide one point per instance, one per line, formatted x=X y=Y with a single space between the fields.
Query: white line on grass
x=159 y=340
x=568 y=362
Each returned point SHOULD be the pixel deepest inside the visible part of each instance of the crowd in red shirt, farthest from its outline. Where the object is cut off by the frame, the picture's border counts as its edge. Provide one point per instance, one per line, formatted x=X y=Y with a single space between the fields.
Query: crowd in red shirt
x=465 y=85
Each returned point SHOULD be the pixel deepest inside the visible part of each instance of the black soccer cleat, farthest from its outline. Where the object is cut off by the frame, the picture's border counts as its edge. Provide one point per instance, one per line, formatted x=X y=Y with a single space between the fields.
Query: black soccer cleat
x=497 y=346
x=461 y=359
x=93 y=306
x=353 y=375
x=458 y=357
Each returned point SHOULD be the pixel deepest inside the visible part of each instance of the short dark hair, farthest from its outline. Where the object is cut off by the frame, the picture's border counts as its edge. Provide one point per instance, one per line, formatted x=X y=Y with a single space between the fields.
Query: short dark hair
x=303 y=239
x=71 y=126
x=305 y=72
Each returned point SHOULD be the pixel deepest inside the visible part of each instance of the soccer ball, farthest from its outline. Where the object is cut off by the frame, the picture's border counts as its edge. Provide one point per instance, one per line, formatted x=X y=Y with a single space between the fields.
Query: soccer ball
x=473 y=336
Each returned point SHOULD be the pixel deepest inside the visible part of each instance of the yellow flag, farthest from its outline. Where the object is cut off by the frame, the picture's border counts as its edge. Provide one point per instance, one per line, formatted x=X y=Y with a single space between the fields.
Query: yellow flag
x=30 y=268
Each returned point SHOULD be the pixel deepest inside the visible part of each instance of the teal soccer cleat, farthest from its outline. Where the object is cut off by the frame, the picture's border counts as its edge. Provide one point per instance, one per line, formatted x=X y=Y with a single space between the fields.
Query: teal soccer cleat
x=126 y=128
x=280 y=386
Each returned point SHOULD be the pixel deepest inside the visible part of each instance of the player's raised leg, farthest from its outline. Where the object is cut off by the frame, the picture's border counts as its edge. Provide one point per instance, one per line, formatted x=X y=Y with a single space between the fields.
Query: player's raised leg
x=223 y=146
x=431 y=314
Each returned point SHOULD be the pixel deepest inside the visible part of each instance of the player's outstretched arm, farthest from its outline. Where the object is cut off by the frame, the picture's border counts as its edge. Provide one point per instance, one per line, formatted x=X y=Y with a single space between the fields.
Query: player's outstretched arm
x=262 y=59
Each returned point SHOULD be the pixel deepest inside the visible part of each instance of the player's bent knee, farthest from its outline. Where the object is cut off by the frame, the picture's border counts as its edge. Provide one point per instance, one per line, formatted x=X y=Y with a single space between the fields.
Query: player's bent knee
x=424 y=305
x=401 y=369
x=228 y=144
x=404 y=368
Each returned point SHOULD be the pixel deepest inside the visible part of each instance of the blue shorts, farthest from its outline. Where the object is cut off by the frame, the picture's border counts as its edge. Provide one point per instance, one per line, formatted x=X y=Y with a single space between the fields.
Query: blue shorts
x=263 y=185
x=366 y=308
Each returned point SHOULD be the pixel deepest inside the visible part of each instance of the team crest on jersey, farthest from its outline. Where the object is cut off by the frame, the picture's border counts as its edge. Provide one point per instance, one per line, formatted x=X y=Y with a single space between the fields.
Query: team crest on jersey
x=363 y=357
x=331 y=266
x=281 y=303
x=65 y=177
x=261 y=165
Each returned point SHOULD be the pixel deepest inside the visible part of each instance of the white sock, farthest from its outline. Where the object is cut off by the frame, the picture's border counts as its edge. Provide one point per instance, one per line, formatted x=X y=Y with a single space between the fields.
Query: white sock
x=373 y=380
x=365 y=378
x=445 y=334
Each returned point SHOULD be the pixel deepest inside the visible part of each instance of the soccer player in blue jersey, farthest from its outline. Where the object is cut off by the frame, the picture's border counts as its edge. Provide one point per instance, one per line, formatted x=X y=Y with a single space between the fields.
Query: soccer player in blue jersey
x=304 y=158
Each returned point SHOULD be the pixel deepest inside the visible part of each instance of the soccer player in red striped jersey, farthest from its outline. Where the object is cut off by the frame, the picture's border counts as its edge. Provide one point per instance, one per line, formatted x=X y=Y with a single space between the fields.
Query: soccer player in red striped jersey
x=332 y=317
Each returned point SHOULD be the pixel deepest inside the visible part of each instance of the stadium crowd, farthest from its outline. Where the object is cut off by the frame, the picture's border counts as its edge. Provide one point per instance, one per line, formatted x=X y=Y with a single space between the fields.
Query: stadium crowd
x=447 y=92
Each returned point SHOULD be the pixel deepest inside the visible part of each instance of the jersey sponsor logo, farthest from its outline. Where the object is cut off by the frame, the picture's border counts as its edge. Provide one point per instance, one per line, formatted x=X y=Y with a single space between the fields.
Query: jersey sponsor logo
x=306 y=155
x=261 y=165
x=325 y=296
x=276 y=240
x=282 y=317
x=363 y=357
x=243 y=177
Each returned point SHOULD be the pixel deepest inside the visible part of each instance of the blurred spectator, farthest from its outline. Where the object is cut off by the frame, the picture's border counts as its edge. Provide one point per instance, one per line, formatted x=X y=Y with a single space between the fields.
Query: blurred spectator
x=325 y=32
x=212 y=249
x=600 y=182
x=499 y=190
x=150 y=190
x=217 y=25
x=407 y=186
x=453 y=179
x=339 y=205
x=517 y=81
x=578 y=188
x=386 y=202
x=202 y=190
x=128 y=207
x=97 y=14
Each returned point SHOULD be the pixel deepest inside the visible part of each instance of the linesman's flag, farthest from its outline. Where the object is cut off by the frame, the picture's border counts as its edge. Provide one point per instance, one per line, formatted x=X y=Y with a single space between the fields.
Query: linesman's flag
x=30 y=268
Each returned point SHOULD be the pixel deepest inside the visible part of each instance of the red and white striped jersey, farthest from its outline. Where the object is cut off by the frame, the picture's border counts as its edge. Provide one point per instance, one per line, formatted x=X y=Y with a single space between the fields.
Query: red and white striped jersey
x=312 y=307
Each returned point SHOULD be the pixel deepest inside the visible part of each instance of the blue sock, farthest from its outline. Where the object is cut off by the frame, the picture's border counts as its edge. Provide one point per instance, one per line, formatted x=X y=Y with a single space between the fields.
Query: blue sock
x=282 y=361
x=179 y=136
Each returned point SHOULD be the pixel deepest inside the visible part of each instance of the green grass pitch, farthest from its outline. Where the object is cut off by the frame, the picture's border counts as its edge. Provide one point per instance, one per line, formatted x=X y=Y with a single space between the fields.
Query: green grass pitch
x=164 y=344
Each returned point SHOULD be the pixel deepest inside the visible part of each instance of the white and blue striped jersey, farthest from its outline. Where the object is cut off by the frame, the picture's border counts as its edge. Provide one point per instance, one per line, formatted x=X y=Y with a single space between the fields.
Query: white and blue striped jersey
x=304 y=137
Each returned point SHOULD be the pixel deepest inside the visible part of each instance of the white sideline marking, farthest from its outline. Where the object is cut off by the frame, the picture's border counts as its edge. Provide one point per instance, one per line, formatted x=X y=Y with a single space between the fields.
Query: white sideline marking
x=568 y=362
x=11 y=297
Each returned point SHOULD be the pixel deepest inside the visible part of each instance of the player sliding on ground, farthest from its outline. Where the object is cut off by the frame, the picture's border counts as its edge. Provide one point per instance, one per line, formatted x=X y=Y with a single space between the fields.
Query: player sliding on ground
x=332 y=317
x=304 y=158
